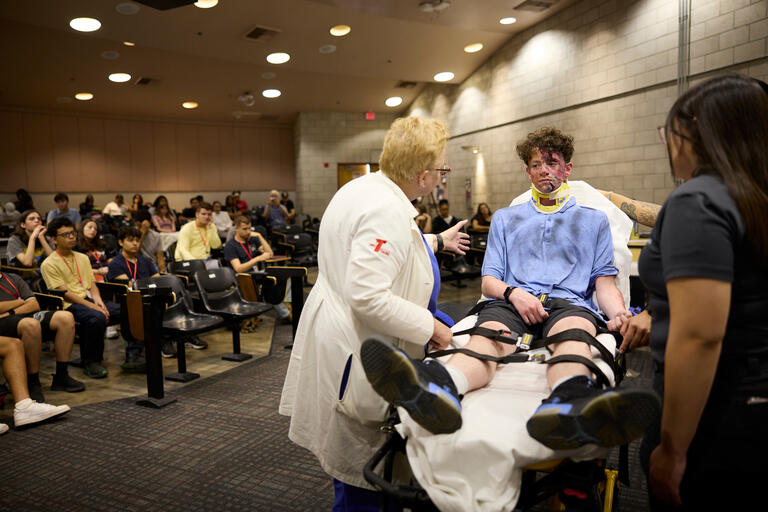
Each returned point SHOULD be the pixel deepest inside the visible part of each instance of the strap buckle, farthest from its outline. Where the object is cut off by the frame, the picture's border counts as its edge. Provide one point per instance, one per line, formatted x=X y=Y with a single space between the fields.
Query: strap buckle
x=524 y=341
x=537 y=358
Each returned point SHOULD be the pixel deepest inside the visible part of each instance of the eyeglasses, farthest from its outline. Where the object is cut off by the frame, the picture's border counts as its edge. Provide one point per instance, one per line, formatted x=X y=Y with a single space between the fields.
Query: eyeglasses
x=662 y=131
x=443 y=170
x=68 y=234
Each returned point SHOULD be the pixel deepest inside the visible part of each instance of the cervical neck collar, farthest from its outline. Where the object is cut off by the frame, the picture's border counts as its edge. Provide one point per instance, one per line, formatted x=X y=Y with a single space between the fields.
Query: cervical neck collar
x=560 y=196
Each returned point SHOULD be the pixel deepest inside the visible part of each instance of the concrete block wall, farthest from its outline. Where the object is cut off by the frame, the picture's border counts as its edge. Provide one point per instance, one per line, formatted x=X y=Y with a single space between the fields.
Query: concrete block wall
x=330 y=138
x=603 y=71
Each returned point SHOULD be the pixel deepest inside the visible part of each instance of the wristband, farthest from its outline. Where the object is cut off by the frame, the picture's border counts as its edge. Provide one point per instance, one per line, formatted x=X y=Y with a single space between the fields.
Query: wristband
x=440 y=243
x=11 y=312
x=507 y=292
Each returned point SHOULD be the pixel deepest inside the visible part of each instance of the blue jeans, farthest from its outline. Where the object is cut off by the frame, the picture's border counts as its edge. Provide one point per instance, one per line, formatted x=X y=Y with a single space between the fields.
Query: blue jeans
x=93 y=325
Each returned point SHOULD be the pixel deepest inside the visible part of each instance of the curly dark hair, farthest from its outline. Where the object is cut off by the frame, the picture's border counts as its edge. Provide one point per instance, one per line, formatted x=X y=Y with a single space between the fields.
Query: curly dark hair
x=547 y=137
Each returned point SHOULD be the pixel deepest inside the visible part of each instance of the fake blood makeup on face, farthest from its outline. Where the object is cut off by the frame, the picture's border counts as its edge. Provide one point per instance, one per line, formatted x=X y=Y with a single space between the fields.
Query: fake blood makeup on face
x=547 y=169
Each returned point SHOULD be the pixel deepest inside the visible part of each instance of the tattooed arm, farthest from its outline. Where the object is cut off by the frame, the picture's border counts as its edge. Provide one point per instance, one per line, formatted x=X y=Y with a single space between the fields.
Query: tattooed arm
x=639 y=211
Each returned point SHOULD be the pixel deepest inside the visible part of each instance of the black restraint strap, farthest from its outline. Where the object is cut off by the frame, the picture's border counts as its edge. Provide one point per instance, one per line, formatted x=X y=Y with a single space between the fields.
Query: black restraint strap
x=496 y=335
x=585 y=337
x=572 y=358
x=511 y=358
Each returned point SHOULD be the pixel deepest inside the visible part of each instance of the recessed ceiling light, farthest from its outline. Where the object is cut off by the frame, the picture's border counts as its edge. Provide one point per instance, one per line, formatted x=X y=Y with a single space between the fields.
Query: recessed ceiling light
x=270 y=93
x=340 y=30
x=189 y=104
x=110 y=55
x=129 y=43
x=393 y=101
x=443 y=76
x=127 y=8
x=206 y=4
x=119 y=77
x=473 y=48
x=507 y=21
x=278 y=58
x=268 y=75
x=85 y=24
x=328 y=48
x=83 y=96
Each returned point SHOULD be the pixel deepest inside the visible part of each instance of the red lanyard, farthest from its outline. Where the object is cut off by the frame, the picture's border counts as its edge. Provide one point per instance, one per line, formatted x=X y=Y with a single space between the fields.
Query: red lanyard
x=205 y=240
x=247 y=249
x=70 y=268
x=95 y=256
x=18 y=295
x=135 y=269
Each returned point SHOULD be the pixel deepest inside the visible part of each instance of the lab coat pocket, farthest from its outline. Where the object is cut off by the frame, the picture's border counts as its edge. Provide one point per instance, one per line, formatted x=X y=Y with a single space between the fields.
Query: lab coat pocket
x=357 y=399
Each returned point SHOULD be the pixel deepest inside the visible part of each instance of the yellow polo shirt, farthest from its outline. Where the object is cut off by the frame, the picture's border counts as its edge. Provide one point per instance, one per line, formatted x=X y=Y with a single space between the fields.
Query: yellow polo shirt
x=196 y=243
x=68 y=271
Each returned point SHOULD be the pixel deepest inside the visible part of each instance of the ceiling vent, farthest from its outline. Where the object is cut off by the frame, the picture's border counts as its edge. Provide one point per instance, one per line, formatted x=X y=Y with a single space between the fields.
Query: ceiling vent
x=143 y=80
x=164 y=5
x=262 y=34
x=536 y=5
x=403 y=84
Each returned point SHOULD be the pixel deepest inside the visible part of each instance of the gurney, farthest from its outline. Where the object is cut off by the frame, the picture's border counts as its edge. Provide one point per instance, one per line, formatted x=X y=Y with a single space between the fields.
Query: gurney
x=489 y=464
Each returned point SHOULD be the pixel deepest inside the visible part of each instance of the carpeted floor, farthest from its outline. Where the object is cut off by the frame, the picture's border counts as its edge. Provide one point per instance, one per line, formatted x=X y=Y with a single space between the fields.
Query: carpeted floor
x=222 y=446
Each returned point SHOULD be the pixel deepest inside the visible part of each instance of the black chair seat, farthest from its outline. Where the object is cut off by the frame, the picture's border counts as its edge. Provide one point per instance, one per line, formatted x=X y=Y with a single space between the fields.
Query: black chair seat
x=191 y=323
x=239 y=308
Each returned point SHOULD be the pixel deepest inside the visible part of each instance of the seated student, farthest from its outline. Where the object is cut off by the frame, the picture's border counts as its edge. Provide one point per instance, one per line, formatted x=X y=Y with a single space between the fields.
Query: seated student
x=20 y=317
x=10 y=215
x=150 y=243
x=137 y=203
x=222 y=220
x=129 y=264
x=577 y=243
x=423 y=221
x=275 y=213
x=240 y=204
x=289 y=206
x=163 y=220
x=26 y=410
x=28 y=245
x=445 y=220
x=90 y=243
x=87 y=207
x=196 y=239
x=71 y=271
x=63 y=209
x=247 y=248
x=23 y=201
x=188 y=214
x=482 y=219
x=116 y=207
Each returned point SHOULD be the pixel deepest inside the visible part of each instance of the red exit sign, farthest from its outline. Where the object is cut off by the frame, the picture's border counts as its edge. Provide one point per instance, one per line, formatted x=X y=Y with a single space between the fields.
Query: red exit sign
x=370 y=116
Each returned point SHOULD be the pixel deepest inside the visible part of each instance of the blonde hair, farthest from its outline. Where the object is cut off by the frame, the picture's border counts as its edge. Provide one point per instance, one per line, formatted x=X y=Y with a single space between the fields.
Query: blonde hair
x=411 y=146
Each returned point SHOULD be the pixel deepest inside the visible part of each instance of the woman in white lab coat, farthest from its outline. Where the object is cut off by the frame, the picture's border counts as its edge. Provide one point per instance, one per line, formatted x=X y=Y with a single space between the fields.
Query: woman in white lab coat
x=377 y=276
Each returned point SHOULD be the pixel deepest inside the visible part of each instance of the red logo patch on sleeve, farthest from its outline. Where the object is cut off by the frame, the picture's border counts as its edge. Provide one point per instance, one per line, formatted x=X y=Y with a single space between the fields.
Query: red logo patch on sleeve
x=377 y=247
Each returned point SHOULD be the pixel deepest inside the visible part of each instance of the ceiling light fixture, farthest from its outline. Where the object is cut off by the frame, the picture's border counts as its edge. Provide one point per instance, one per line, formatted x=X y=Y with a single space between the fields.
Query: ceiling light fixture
x=189 y=105
x=127 y=8
x=434 y=5
x=85 y=24
x=129 y=43
x=340 y=30
x=270 y=93
x=247 y=99
x=507 y=21
x=393 y=101
x=472 y=149
x=473 y=48
x=119 y=77
x=328 y=48
x=278 y=58
x=206 y=4
x=268 y=75
x=83 y=96
x=443 y=76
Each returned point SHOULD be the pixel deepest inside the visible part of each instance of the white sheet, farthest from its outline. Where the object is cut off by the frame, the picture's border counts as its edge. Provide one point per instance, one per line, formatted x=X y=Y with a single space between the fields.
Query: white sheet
x=479 y=467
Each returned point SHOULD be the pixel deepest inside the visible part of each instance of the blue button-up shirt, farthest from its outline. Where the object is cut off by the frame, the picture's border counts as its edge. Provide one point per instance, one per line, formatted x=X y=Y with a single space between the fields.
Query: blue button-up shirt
x=561 y=254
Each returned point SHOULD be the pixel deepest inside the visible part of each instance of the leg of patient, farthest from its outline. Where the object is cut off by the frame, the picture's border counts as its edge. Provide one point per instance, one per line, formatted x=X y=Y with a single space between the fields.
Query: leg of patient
x=477 y=372
x=562 y=371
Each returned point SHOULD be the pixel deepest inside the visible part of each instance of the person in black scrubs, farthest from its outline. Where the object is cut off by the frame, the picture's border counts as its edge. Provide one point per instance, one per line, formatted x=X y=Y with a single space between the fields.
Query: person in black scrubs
x=705 y=268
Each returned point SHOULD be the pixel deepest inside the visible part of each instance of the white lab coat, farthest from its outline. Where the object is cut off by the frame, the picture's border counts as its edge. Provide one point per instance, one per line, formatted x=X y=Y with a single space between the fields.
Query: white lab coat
x=375 y=277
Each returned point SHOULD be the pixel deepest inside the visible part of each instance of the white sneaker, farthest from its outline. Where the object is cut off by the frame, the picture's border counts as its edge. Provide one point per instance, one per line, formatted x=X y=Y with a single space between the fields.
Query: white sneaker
x=112 y=332
x=28 y=411
x=3 y=428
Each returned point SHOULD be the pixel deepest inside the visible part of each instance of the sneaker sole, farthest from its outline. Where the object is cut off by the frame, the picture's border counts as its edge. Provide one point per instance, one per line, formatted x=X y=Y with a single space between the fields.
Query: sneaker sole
x=45 y=417
x=196 y=347
x=167 y=356
x=392 y=376
x=610 y=419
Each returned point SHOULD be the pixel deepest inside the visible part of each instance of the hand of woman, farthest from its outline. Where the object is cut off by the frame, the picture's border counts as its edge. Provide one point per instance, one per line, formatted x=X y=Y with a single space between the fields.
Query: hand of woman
x=666 y=473
x=635 y=332
x=441 y=336
x=38 y=231
x=454 y=240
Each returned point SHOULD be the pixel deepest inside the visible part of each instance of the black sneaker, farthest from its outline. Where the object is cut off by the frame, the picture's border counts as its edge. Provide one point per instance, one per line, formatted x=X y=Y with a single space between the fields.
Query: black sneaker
x=94 y=370
x=134 y=363
x=578 y=412
x=195 y=343
x=423 y=388
x=67 y=383
x=36 y=392
x=168 y=349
